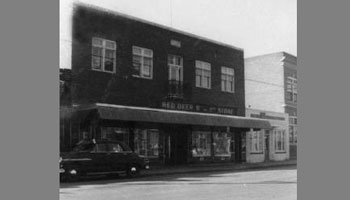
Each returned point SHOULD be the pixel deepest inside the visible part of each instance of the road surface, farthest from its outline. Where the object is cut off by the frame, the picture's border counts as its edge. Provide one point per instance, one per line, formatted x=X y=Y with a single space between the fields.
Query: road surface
x=263 y=184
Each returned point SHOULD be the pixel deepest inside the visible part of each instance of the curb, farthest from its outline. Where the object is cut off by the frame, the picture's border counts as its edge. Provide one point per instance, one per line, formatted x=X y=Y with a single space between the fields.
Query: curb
x=199 y=169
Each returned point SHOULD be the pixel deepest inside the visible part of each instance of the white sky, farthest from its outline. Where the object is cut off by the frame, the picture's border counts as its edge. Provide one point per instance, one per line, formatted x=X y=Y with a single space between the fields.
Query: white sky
x=257 y=26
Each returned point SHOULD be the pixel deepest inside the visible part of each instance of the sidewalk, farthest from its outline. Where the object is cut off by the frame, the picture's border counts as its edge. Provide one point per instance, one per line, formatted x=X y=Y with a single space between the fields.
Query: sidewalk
x=211 y=167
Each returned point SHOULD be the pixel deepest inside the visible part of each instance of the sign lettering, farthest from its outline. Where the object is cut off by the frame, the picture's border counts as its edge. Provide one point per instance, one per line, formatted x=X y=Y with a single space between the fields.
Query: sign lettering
x=198 y=108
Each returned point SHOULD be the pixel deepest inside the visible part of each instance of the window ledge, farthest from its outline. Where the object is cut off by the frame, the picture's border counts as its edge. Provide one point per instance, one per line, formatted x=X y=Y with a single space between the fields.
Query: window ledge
x=257 y=153
x=137 y=76
x=109 y=72
x=280 y=152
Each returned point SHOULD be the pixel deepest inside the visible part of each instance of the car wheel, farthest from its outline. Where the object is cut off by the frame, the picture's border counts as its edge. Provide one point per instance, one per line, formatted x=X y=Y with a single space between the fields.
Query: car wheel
x=72 y=175
x=133 y=171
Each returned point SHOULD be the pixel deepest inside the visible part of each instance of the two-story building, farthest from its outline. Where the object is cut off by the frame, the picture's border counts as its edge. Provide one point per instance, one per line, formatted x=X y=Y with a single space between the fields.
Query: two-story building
x=172 y=96
x=271 y=94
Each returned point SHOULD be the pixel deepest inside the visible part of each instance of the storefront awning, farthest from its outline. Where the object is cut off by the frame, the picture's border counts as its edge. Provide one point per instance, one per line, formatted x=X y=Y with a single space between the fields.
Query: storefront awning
x=128 y=113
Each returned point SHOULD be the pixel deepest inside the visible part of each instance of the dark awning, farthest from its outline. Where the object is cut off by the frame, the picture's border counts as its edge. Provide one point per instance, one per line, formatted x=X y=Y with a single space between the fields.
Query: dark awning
x=127 y=113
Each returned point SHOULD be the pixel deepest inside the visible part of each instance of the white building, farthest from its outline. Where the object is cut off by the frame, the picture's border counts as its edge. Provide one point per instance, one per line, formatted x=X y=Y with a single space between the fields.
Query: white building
x=271 y=93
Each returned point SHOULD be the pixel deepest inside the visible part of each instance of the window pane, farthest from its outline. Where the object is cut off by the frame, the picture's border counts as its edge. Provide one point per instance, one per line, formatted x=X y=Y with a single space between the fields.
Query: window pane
x=97 y=51
x=201 y=144
x=109 y=65
x=136 y=50
x=101 y=148
x=110 y=44
x=198 y=81
x=147 y=61
x=137 y=65
x=115 y=148
x=96 y=62
x=174 y=73
x=229 y=87
x=153 y=146
x=222 y=144
x=147 y=142
x=205 y=82
x=222 y=85
x=97 y=42
x=147 y=52
x=146 y=71
x=110 y=53
x=178 y=60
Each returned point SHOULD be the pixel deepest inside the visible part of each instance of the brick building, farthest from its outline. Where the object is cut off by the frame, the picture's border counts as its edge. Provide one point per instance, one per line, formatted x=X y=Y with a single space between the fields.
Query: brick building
x=174 y=97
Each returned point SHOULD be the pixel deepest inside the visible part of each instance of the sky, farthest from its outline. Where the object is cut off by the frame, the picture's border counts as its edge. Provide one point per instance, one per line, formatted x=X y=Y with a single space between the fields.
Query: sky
x=257 y=26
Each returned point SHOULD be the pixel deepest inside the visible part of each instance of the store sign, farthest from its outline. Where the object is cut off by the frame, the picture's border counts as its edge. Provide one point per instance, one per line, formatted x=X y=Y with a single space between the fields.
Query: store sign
x=263 y=115
x=198 y=108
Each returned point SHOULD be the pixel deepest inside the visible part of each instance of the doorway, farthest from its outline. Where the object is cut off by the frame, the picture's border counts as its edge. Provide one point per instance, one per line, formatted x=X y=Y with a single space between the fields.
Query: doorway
x=176 y=151
x=267 y=145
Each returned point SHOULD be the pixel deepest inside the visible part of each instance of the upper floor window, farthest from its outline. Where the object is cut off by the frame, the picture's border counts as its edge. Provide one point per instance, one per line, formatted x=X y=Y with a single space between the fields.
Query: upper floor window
x=227 y=79
x=142 y=62
x=292 y=89
x=103 y=55
x=175 y=67
x=203 y=74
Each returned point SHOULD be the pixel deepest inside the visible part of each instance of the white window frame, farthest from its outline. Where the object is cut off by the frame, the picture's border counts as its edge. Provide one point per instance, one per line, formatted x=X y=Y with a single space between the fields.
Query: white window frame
x=104 y=47
x=256 y=140
x=293 y=124
x=292 y=89
x=227 y=75
x=279 y=134
x=177 y=66
x=203 y=67
x=143 y=55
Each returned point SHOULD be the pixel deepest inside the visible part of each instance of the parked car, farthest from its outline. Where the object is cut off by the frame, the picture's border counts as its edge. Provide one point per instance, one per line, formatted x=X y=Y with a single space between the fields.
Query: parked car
x=100 y=157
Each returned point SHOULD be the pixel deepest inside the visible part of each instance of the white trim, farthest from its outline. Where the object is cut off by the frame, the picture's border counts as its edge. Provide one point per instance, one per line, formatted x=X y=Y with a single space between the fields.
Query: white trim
x=143 y=55
x=174 y=111
x=104 y=48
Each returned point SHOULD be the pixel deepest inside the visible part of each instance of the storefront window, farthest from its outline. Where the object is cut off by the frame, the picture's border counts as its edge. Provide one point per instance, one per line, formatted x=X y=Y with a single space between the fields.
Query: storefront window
x=201 y=144
x=115 y=133
x=256 y=141
x=221 y=144
x=147 y=142
x=280 y=140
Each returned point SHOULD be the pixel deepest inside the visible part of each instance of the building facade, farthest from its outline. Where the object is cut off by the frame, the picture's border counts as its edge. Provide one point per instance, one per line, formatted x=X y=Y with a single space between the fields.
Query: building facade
x=171 y=96
x=271 y=86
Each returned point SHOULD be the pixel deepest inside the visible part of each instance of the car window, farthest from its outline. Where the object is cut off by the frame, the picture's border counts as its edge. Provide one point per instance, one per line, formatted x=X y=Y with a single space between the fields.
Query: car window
x=84 y=147
x=114 y=147
x=100 y=148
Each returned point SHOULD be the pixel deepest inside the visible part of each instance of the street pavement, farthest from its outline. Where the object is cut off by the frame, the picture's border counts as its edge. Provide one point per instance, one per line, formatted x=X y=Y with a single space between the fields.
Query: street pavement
x=277 y=183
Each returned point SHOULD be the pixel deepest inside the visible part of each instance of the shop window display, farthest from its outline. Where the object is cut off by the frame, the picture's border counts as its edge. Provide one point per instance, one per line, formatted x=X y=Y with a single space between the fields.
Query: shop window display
x=115 y=133
x=221 y=144
x=146 y=142
x=201 y=144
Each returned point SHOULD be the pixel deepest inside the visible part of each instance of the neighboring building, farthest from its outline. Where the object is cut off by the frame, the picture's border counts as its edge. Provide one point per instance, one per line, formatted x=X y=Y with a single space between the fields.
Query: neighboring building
x=172 y=96
x=271 y=87
x=65 y=79
x=269 y=144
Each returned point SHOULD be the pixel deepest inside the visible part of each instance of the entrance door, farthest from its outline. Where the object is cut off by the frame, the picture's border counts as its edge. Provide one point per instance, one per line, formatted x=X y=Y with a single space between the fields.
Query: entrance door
x=176 y=147
x=267 y=145
x=240 y=147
